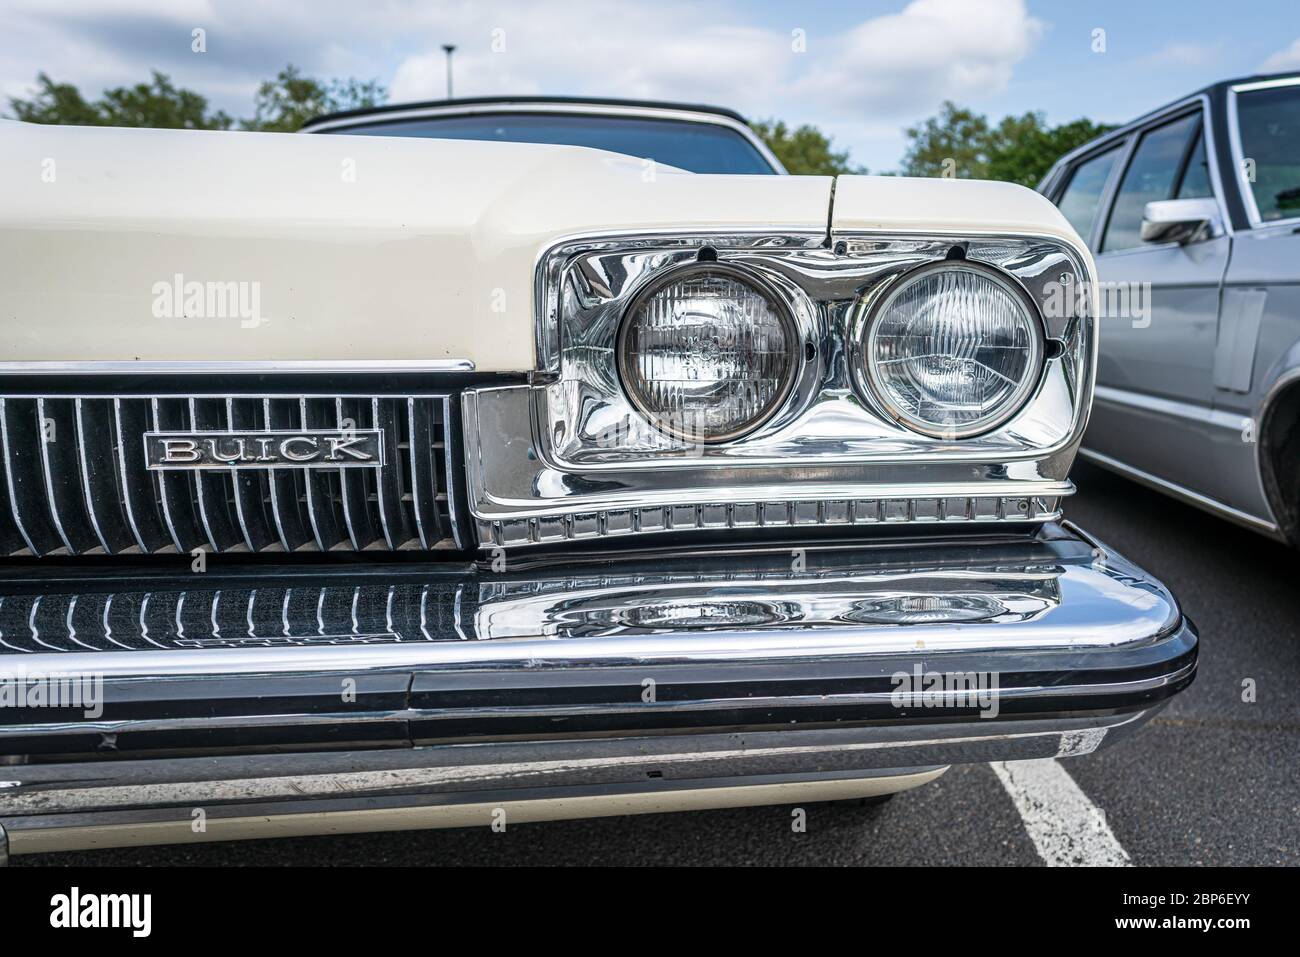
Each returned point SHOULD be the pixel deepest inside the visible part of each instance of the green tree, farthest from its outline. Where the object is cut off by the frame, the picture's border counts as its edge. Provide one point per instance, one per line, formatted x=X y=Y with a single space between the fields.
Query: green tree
x=1019 y=149
x=156 y=104
x=953 y=143
x=159 y=104
x=805 y=150
x=284 y=104
x=1024 y=148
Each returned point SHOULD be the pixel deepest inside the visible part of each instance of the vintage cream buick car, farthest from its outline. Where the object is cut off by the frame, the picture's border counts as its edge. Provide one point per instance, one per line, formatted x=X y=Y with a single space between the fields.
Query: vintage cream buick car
x=371 y=482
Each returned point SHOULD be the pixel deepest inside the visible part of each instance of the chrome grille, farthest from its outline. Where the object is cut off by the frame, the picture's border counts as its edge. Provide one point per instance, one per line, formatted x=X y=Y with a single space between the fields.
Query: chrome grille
x=75 y=480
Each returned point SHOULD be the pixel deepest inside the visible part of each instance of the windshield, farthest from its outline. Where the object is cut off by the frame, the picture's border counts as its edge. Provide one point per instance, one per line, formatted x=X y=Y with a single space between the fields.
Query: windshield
x=696 y=147
x=1269 y=121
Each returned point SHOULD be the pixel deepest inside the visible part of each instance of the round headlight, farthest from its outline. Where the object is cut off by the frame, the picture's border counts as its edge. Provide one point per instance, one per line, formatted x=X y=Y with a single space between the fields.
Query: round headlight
x=707 y=353
x=953 y=350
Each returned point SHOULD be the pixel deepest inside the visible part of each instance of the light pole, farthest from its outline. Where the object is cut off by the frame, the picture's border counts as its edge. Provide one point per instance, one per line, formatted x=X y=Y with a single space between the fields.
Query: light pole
x=449 y=49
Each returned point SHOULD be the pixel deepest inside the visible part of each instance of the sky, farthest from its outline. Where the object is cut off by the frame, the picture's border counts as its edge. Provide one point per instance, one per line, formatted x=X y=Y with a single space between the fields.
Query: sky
x=861 y=72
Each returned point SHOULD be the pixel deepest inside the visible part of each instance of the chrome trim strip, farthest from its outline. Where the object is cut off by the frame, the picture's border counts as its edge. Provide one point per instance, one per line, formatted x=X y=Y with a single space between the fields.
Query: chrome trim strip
x=555 y=712
x=415 y=474
x=449 y=444
x=1171 y=407
x=84 y=475
x=122 y=475
x=235 y=480
x=160 y=479
x=200 y=494
x=44 y=446
x=1184 y=494
x=318 y=526
x=343 y=483
x=273 y=495
x=218 y=366
x=379 y=483
x=9 y=477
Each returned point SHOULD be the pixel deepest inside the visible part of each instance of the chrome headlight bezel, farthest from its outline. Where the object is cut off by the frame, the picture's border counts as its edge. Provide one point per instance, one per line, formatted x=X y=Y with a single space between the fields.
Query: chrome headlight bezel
x=870 y=310
x=780 y=306
x=567 y=457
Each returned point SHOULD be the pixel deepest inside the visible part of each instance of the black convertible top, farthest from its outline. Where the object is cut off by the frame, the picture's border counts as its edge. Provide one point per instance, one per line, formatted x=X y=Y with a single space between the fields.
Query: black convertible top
x=559 y=101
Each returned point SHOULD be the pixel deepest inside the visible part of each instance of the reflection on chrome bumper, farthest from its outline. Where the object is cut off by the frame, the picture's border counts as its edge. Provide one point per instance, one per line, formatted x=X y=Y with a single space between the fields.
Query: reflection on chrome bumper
x=404 y=689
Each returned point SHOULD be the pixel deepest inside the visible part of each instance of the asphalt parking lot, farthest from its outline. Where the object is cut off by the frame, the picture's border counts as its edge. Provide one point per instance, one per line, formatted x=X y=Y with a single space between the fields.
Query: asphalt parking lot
x=1212 y=780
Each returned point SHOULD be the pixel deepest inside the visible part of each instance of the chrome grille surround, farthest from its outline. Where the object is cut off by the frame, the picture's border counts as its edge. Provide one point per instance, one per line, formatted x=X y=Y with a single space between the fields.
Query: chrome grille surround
x=75 y=479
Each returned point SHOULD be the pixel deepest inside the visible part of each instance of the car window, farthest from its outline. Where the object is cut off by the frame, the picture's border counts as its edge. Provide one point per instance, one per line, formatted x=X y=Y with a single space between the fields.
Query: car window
x=1151 y=175
x=697 y=147
x=1082 y=194
x=1196 y=177
x=1269 y=122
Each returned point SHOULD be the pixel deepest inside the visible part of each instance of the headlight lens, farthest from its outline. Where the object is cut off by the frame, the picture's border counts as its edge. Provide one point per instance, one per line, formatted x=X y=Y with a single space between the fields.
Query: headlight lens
x=707 y=353
x=954 y=350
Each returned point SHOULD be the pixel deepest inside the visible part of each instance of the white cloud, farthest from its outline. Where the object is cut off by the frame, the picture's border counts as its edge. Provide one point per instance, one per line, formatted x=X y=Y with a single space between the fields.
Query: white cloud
x=932 y=50
x=859 y=84
x=641 y=50
x=1283 y=60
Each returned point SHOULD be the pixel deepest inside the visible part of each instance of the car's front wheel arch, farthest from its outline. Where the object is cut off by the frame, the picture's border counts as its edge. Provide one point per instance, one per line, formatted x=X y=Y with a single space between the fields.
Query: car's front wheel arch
x=1279 y=456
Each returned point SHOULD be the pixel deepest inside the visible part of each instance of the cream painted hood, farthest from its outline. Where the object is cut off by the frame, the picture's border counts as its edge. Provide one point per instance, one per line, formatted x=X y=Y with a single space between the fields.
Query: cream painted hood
x=359 y=247
x=164 y=245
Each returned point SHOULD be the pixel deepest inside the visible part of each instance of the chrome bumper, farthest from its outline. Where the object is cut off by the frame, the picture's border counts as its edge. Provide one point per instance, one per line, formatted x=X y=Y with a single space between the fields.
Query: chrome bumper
x=377 y=697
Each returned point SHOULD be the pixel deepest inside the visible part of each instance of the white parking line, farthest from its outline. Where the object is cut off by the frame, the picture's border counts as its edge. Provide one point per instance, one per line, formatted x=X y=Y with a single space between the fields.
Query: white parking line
x=1067 y=829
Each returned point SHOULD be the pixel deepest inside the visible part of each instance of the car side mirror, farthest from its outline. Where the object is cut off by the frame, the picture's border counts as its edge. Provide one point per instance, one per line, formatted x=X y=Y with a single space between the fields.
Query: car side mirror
x=1180 y=221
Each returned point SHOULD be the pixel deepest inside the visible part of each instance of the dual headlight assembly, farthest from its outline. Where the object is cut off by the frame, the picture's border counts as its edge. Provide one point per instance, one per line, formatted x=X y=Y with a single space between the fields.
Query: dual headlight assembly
x=709 y=351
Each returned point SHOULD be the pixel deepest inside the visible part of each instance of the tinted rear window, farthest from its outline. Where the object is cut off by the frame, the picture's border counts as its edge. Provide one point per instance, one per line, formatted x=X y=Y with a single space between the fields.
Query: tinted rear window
x=1270 y=138
x=697 y=147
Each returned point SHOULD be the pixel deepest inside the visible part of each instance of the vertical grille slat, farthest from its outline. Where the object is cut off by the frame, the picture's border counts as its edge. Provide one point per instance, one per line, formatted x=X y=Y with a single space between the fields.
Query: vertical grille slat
x=286 y=506
x=424 y=482
x=392 y=516
x=213 y=488
x=97 y=458
x=175 y=489
x=449 y=485
x=321 y=486
x=131 y=420
x=76 y=479
x=354 y=485
x=251 y=486
x=11 y=539
x=20 y=437
x=60 y=474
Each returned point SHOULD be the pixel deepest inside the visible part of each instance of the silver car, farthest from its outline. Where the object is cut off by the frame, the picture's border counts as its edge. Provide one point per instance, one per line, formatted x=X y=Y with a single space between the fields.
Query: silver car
x=1193 y=213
